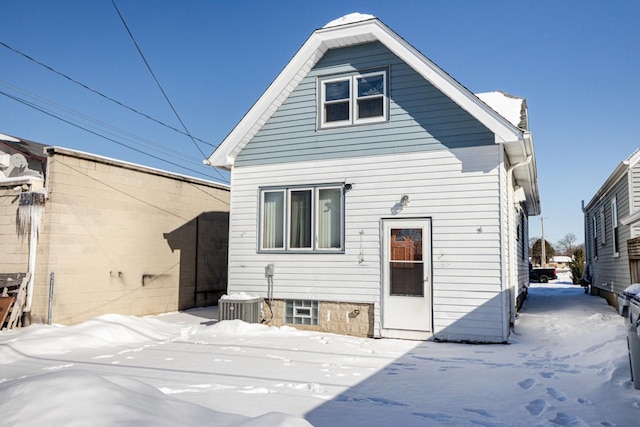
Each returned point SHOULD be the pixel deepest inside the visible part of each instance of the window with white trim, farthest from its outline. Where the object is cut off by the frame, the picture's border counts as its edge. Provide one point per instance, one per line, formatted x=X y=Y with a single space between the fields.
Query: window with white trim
x=353 y=99
x=603 y=232
x=309 y=218
x=594 y=235
x=614 y=227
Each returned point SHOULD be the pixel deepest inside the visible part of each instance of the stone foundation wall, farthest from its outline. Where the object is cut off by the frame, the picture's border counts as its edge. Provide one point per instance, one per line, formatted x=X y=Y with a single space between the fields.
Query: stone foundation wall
x=335 y=317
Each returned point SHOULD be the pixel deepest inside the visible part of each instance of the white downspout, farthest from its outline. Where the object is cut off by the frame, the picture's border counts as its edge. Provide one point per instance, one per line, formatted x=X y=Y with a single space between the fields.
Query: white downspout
x=510 y=244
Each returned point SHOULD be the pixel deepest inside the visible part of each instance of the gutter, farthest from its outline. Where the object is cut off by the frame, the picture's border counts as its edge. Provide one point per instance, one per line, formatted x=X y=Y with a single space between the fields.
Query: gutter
x=510 y=237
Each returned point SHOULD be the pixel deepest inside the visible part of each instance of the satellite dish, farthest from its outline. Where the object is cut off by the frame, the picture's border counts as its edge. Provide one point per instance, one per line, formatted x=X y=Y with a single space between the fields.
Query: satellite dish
x=17 y=165
x=18 y=161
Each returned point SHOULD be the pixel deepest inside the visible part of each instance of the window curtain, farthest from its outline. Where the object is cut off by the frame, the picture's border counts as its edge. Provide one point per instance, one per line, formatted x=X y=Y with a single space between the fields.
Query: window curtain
x=329 y=215
x=273 y=212
x=300 y=219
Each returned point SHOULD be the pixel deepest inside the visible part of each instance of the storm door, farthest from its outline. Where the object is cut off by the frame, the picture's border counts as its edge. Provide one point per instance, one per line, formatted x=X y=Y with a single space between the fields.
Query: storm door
x=406 y=299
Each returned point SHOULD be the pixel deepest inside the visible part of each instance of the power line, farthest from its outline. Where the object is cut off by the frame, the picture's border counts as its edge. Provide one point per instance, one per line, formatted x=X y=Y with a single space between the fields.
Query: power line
x=138 y=198
x=102 y=94
x=166 y=97
x=127 y=135
x=35 y=107
x=122 y=192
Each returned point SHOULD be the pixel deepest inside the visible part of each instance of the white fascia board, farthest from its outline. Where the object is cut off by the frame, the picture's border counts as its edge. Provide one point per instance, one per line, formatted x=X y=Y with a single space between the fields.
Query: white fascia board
x=615 y=176
x=619 y=172
x=632 y=219
x=347 y=35
x=501 y=127
x=286 y=82
x=52 y=150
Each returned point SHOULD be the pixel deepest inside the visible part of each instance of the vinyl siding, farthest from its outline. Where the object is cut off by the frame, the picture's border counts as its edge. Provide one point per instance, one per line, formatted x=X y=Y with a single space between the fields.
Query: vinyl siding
x=610 y=272
x=458 y=189
x=634 y=205
x=421 y=118
x=634 y=174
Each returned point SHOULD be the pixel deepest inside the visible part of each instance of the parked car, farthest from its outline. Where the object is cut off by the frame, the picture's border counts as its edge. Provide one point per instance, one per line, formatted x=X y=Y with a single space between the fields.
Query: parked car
x=542 y=275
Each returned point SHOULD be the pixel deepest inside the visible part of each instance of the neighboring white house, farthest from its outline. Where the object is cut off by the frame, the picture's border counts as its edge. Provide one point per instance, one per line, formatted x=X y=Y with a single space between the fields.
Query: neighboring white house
x=612 y=231
x=372 y=194
x=561 y=261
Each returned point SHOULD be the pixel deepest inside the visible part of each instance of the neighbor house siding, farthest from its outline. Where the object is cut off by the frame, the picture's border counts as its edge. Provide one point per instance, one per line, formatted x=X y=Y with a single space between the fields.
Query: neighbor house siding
x=421 y=118
x=634 y=194
x=610 y=272
x=459 y=189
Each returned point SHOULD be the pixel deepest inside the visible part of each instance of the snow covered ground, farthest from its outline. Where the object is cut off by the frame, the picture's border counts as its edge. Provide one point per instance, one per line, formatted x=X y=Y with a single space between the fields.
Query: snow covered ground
x=566 y=365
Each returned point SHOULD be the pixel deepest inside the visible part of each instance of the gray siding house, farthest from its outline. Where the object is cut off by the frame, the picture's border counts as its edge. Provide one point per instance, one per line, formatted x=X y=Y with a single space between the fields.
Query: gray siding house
x=372 y=194
x=612 y=231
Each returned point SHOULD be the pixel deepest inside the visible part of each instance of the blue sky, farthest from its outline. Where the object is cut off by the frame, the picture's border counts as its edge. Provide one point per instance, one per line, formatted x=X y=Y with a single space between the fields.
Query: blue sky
x=576 y=62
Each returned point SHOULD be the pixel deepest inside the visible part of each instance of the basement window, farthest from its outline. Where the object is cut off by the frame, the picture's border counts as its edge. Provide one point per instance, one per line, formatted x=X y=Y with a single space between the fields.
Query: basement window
x=301 y=312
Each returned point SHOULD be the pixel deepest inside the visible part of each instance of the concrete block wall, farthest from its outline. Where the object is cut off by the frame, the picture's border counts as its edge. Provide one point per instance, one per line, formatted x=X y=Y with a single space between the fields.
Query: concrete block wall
x=117 y=238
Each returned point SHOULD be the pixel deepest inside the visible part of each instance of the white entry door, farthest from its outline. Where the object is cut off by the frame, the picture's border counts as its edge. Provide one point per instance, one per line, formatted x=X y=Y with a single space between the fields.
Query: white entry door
x=406 y=299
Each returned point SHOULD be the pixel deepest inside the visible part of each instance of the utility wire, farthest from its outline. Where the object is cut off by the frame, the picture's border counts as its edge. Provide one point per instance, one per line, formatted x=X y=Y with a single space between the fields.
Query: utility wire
x=102 y=94
x=204 y=156
x=135 y=197
x=93 y=121
x=121 y=191
x=35 y=107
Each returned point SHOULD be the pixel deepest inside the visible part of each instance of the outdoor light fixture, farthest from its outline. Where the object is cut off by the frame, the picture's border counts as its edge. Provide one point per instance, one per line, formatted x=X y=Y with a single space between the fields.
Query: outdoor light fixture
x=404 y=201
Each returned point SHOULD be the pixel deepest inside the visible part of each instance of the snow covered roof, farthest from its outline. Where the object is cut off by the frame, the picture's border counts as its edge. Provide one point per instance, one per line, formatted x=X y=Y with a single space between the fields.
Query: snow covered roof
x=354 y=29
x=561 y=258
x=349 y=19
x=512 y=108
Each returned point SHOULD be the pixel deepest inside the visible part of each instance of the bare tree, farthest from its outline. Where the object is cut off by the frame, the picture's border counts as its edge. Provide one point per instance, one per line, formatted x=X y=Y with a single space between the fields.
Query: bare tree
x=567 y=244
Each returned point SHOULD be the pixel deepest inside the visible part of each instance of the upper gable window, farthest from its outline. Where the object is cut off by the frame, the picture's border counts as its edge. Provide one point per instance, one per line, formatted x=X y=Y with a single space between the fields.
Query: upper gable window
x=353 y=99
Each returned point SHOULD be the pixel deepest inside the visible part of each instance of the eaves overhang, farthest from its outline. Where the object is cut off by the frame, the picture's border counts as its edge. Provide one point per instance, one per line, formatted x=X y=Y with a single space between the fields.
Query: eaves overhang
x=618 y=173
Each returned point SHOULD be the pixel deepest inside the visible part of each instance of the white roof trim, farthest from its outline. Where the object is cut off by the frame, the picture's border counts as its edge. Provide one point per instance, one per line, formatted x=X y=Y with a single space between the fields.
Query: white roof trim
x=52 y=150
x=618 y=173
x=631 y=219
x=347 y=35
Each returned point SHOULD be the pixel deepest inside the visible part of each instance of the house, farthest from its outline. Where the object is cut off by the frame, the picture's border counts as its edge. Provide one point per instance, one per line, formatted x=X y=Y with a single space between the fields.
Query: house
x=561 y=261
x=372 y=194
x=612 y=231
x=99 y=235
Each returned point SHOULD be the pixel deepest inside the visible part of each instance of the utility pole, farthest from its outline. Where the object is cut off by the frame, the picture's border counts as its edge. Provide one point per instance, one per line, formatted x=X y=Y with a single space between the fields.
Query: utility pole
x=543 y=259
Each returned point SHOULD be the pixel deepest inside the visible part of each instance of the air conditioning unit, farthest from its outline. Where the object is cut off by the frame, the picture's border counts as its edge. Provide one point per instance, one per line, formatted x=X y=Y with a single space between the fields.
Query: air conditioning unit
x=247 y=310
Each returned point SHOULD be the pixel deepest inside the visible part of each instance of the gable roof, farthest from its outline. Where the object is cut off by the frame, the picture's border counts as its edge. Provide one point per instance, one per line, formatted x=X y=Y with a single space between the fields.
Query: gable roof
x=357 y=29
x=619 y=172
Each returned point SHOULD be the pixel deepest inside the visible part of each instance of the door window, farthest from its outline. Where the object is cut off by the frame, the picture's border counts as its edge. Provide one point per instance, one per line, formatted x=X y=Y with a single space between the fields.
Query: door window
x=406 y=262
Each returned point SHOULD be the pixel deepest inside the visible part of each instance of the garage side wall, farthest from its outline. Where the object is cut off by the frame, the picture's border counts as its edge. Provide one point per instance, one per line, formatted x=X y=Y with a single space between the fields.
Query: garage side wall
x=125 y=240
